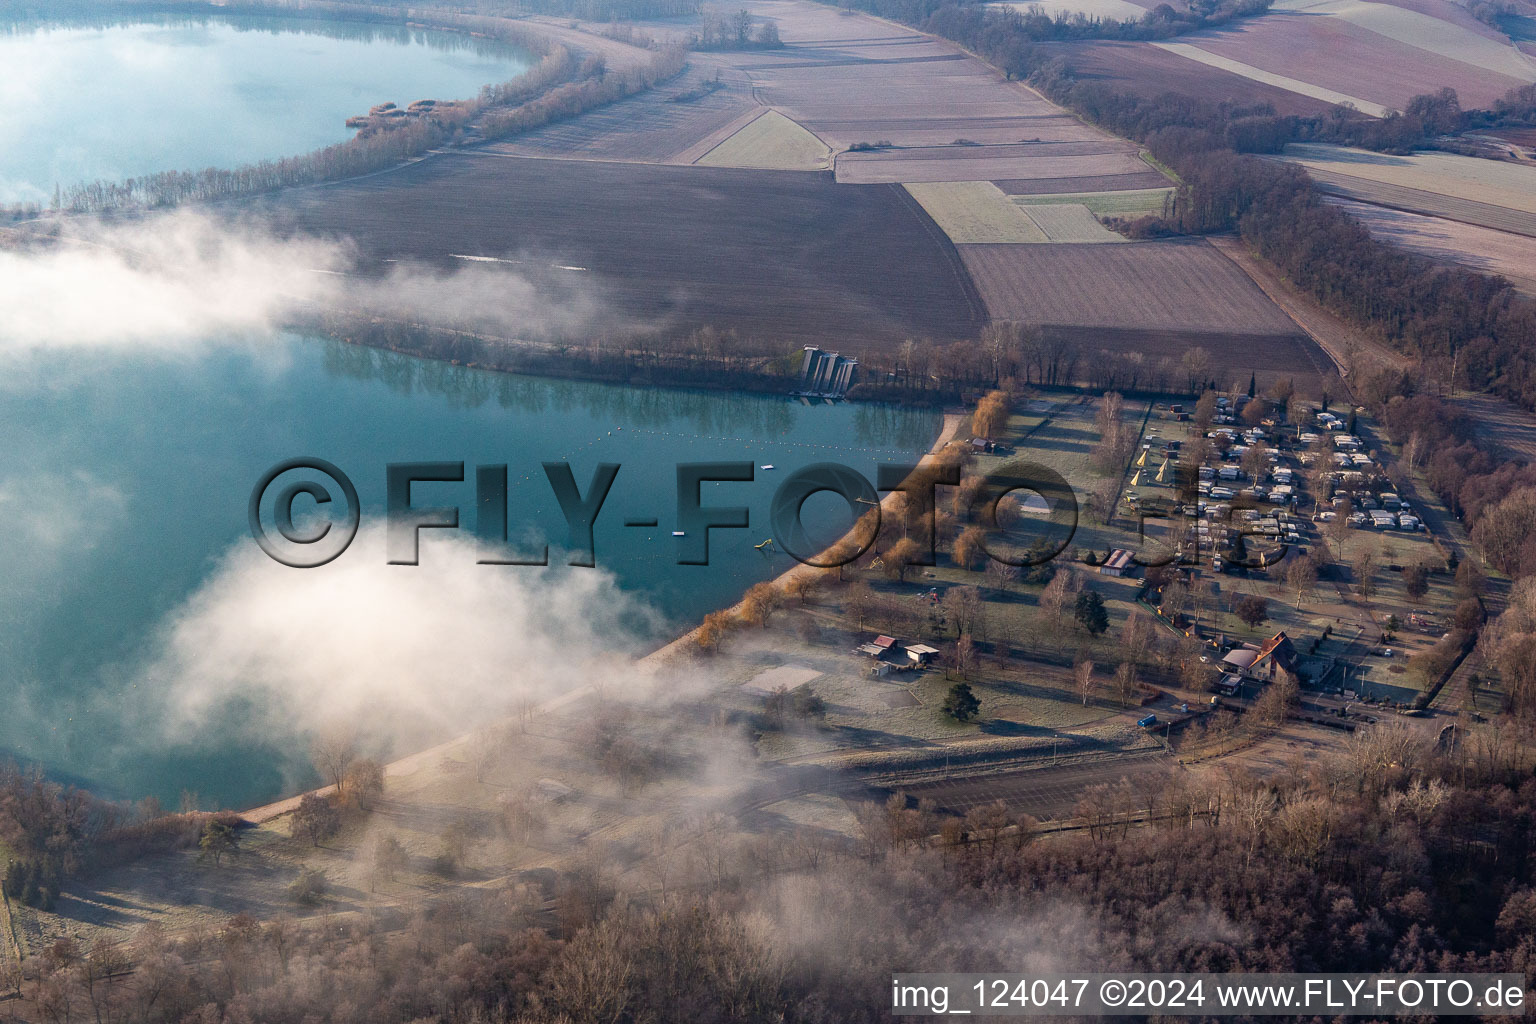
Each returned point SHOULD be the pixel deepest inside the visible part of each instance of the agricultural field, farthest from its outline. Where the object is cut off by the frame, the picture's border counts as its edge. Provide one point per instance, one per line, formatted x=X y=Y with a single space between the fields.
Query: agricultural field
x=1448 y=241
x=1494 y=182
x=669 y=248
x=1433 y=204
x=1171 y=286
x=1508 y=427
x=1105 y=204
x=770 y=141
x=975 y=211
x=1455 y=13
x=990 y=163
x=1327 y=56
x=1342 y=342
x=1447 y=38
x=1104 y=10
x=1069 y=222
x=1375 y=56
x=946 y=115
x=1490 y=193
x=1237 y=67
x=1146 y=71
x=652 y=127
x=1140 y=181
x=1055 y=127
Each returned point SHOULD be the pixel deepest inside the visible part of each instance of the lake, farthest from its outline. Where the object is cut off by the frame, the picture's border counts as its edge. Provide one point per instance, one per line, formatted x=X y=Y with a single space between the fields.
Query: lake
x=125 y=479
x=85 y=102
x=147 y=646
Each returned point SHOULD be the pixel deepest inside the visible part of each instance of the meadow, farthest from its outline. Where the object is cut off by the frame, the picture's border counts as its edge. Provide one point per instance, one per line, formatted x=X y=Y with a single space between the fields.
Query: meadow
x=975 y=211
x=769 y=141
x=1116 y=202
x=1069 y=222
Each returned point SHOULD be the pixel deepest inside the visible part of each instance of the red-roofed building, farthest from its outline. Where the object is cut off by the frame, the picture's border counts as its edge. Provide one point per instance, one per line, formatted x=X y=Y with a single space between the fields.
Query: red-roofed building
x=1263 y=661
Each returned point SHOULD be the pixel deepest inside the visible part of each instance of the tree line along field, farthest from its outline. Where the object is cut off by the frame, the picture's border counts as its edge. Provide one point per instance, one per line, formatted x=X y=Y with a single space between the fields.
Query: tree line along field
x=1159 y=352
x=771 y=254
x=652 y=127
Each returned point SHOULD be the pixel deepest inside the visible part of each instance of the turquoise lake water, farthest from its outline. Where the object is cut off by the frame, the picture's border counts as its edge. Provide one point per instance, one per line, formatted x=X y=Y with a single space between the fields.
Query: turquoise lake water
x=124 y=481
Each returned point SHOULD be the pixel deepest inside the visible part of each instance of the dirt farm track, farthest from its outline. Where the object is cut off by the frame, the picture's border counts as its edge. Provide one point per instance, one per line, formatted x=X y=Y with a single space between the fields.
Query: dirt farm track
x=785 y=254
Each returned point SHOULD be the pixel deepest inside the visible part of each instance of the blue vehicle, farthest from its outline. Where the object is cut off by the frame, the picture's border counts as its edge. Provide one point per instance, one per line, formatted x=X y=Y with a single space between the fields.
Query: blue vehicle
x=1148 y=722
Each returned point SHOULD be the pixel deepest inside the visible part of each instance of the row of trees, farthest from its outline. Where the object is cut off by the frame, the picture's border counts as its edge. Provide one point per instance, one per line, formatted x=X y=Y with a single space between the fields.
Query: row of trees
x=594 y=87
x=718 y=32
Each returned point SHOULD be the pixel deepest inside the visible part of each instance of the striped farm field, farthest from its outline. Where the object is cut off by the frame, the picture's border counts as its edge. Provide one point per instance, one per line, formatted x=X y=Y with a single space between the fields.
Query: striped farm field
x=975 y=211
x=1490 y=182
x=1335 y=55
x=1296 y=85
x=984 y=163
x=1070 y=222
x=1433 y=204
x=772 y=142
x=1170 y=286
x=1143 y=70
x=1424 y=32
x=1140 y=200
x=1448 y=241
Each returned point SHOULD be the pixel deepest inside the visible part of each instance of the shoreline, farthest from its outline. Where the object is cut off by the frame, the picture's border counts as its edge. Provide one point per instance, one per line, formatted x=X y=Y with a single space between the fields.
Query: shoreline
x=949 y=426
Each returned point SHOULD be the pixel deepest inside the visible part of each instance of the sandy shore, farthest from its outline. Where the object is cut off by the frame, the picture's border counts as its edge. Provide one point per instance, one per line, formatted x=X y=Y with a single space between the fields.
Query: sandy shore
x=654 y=661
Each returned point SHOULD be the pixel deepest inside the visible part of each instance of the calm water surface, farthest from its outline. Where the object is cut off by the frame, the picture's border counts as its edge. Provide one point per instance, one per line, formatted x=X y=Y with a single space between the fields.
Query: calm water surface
x=124 y=480
x=81 y=103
